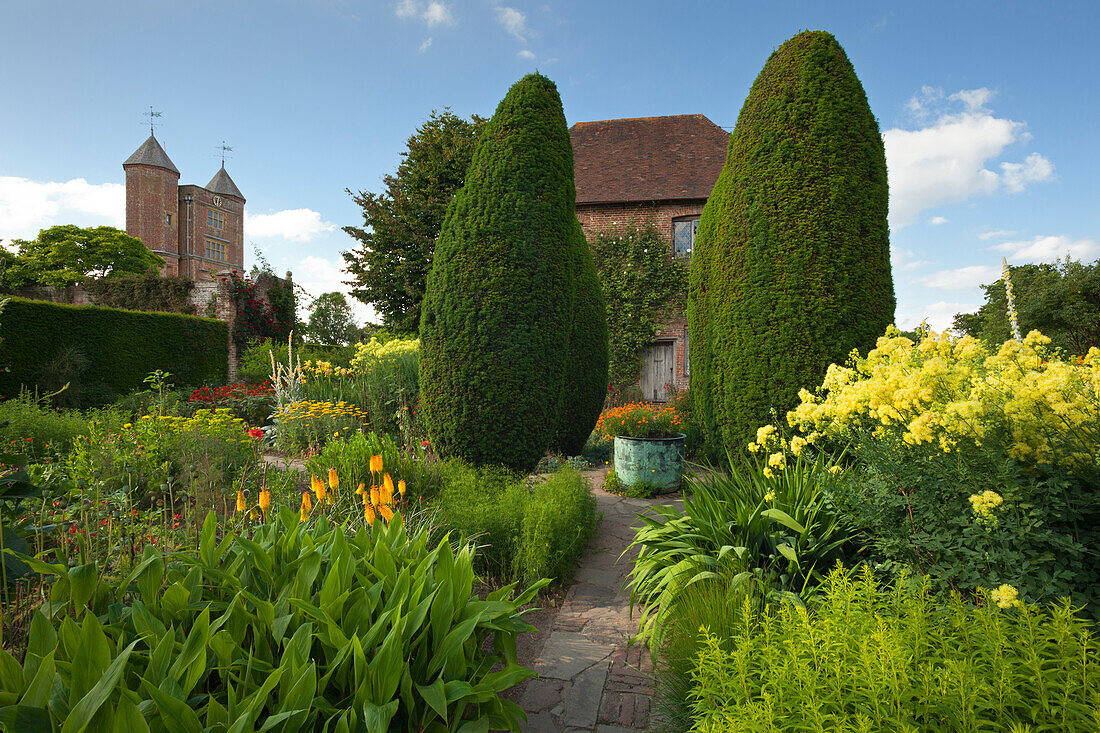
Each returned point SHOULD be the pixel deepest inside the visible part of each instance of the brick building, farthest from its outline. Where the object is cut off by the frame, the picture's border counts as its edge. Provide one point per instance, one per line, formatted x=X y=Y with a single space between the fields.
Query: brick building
x=198 y=230
x=658 y=169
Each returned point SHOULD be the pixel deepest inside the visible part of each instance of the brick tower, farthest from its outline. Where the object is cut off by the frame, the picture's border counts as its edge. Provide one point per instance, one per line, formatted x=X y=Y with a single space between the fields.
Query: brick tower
x=199 y=231
x=152 y=201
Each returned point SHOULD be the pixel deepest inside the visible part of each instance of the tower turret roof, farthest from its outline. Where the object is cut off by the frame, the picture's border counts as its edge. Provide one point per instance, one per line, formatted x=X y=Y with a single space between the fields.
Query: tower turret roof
x=151 y=153
x=223 y=184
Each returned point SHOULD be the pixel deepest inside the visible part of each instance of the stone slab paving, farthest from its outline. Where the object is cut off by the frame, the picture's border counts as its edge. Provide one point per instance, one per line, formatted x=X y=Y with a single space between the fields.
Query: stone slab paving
x=589 y=678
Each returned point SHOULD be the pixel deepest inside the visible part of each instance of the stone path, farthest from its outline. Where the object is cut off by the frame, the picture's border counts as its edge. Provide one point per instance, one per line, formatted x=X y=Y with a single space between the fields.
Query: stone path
x=589 y=679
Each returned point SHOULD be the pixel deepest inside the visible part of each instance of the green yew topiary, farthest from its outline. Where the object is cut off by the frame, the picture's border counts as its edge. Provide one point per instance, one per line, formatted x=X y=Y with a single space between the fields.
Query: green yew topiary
x=499 y=300
x=585 y=384
x=791 y=268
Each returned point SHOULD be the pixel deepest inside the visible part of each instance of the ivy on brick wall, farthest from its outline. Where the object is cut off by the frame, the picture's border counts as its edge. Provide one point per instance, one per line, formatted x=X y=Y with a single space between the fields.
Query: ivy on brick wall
x=642 y=283
x=148 y=292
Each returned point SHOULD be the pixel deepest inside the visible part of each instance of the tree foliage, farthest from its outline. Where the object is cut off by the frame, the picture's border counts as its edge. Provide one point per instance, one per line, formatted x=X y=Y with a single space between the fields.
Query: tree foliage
x=390 y=265
x=1062 y=300
x=67 y=254
x=585 y=385
x=497 y=309
x=642 y=282
x=791 y=268
x=330 y=321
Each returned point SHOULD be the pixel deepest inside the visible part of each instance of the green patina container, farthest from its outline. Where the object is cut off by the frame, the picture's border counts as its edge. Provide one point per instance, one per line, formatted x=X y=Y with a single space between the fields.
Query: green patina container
x=657 y=462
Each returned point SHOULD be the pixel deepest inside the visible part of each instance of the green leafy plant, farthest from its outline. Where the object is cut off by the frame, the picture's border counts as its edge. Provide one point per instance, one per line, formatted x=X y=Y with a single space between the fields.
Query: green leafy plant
x=642 y=282
x=350 y=458
x=639 y=490
x=893 y=659
x=747 y=521
x=300 y=626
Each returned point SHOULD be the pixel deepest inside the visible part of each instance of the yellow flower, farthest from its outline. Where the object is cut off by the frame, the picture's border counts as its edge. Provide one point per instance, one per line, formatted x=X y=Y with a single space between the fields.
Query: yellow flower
x=361 y=490
x=374 y=496
x=401 y=488
x=386 y=512
x=1006 y=596
x=307 y=505
x=386 y=494
x=265 y=500
x=777 y=460
x=770 y=496
x=768 y=473
x=240 y=501
x=834 y=469
x=376 y=464
x=318 y=488
x=333 y=481
x=127 y=425
x=368 y=513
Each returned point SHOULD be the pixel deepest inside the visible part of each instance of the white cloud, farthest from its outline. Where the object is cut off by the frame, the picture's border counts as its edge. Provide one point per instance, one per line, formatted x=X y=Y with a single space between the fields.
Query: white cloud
x=996 y=234
x=437 y=14
x=962 y=278
x=27 y=206
x=525 y=54
x=301 y=225
x=948 y=160
x=426 y=44
x=905 y=259
x=1034 y=169
x=1050 y=248
x=514 y=21
x=433 y=13
x=940 y=316
x=319 y=275
x=937 y=220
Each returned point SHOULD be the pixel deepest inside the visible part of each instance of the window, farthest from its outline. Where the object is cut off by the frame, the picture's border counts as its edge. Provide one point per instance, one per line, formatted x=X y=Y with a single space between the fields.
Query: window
x=215 y=219
x=215 y=250
x=683 y=235
x=168 y=219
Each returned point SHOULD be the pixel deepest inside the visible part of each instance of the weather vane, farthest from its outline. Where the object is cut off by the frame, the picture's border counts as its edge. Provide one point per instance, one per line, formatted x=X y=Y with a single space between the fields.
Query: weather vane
x=224 y=149
x=152 y=116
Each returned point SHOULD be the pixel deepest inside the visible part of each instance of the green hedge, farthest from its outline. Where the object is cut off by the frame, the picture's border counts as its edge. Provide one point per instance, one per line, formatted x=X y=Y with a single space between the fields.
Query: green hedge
x=105 y=352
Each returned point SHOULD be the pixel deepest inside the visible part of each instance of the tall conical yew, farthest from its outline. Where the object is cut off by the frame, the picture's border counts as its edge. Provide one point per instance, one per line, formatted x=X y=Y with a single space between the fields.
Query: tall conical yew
x=496 y=315
x=585 y=385
x=791 y=268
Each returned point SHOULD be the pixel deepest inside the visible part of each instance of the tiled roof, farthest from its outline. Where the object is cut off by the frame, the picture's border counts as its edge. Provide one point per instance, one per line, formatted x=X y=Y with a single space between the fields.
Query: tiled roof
x=151 y=153
x=647 y=158
x=223 y=184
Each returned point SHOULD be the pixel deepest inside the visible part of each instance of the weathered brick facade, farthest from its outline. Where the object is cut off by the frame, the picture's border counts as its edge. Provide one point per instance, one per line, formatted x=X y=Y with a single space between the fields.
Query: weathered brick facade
x=658 y=169
x=198 y=230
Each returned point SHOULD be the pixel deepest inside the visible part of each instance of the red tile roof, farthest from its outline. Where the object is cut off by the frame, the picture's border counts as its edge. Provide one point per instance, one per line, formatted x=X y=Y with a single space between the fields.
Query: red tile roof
x=673 y=158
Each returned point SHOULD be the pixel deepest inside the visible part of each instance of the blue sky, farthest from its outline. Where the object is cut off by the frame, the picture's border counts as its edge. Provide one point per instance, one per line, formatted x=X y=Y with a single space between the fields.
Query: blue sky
x=989 y=109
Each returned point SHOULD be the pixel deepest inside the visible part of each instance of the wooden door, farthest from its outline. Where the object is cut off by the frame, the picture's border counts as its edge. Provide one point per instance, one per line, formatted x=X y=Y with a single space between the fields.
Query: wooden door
x=657 y=371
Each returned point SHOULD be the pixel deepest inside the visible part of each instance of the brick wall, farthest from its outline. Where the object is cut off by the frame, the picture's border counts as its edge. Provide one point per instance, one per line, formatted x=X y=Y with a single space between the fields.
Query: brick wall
x=195 y=202
x=150 y=202
x=595 y=218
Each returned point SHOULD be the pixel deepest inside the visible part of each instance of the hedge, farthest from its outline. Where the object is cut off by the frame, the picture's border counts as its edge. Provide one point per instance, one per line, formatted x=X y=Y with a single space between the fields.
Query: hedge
x=791 y=269
x=109 y=351
x=497 y=311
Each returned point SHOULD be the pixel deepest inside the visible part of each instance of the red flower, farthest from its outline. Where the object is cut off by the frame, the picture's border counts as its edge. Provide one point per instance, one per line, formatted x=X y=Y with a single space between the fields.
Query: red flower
x=256 y=433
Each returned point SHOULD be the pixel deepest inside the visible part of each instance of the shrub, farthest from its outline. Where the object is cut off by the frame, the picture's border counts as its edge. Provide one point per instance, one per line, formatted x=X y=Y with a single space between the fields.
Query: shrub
x=309 y=425
x=119 y=347
x=521 y=532
x=495 y=324
x=38 y=430
x=791 y=269
x=251 y=404
x=585 y=386
x=640 y=420
x=256 y=359
x=302 y=626
x=757 y=520
x=559 y=519
x=387 y=378
x=149 y=292
x=898 y=659
x=940 y=421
